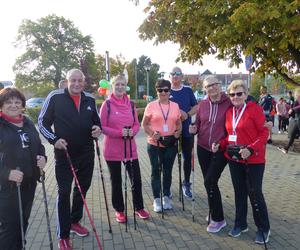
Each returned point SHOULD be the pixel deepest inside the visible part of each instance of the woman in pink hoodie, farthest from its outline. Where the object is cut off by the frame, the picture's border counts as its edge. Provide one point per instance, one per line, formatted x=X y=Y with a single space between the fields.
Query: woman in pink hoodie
x=119 y=125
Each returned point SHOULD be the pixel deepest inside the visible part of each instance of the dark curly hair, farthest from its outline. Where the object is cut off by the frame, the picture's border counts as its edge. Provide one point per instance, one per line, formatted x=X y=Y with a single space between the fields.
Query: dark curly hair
x=8 y=93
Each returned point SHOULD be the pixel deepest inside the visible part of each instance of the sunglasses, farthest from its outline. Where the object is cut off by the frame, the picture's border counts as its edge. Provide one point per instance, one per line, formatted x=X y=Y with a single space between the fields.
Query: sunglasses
x=236 y=94
x=211 y=85
x=176 y=73
x=163 y=90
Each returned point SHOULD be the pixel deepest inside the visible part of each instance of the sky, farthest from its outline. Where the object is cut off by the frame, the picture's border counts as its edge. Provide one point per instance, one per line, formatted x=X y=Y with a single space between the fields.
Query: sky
x=112 y=24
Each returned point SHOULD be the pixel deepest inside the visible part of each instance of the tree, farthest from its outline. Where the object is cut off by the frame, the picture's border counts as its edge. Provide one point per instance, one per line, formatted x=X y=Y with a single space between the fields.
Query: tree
x=53 y=45
x=142 y=75
x=269 y=30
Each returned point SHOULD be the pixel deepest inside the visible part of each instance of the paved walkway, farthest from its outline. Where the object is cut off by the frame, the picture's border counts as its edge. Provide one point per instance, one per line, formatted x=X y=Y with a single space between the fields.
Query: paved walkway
x=177 y=231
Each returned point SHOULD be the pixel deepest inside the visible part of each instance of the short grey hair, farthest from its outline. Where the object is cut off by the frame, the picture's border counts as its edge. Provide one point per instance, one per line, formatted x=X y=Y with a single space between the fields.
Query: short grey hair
x=210 y=80
x=72 y=71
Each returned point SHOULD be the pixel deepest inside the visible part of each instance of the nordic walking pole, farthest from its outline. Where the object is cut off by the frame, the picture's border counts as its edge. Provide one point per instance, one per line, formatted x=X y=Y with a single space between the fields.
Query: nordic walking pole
x=179 y=167
x=253 y=198
x=83 y=199
x=193 y=188
x=160 y=176
x=103 y=185
x=21 y=213
x=125 y=181
x=42 y=179
x=132 y=179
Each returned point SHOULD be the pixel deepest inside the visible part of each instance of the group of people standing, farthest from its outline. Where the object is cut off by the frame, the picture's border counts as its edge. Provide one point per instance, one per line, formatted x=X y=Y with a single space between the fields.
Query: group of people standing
x=229 y=130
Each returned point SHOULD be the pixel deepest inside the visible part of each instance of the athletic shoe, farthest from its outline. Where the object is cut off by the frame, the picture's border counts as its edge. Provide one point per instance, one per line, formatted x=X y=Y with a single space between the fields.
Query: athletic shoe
x=186 y=189
x=283 y=150
x=207 y=218
x=65 y=244
x=166 y=203
x=157 y=205
x=142 y=214
x=120 y=217
x=236 y=231
x=78 y=229
x=269 y=141
x=279 y=132
x=259 y=237
x=215 y=226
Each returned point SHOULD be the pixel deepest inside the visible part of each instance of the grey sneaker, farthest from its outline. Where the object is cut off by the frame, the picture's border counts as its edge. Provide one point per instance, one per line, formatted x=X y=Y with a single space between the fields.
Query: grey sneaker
x=236 y=231
x=166 y=203
x=259 y=237
x=157 y=205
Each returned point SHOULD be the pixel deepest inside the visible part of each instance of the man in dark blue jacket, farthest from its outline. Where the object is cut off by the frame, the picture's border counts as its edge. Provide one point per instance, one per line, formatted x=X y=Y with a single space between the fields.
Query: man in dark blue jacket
x=74 y=115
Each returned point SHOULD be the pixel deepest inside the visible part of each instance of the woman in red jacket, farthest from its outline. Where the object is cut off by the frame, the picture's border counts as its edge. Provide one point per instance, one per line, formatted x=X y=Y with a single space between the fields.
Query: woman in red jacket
x=245 y=147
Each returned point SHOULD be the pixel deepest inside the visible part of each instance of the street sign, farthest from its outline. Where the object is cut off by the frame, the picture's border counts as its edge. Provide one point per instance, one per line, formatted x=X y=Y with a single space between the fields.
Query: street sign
x=248 y=62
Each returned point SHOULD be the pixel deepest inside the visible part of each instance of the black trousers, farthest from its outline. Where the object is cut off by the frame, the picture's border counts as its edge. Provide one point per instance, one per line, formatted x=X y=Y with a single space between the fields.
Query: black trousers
x=187 y=147
x=212 y=166
x=116 y=184
x=10 y=230
x=84 y=166
x=247 y=181
x=294 y=129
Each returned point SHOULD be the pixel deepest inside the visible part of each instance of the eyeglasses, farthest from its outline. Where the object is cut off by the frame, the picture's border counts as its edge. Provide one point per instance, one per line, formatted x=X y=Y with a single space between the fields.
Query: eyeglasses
x=236 y=94
x=176 y=73
x=211 y=85
x=163 y=90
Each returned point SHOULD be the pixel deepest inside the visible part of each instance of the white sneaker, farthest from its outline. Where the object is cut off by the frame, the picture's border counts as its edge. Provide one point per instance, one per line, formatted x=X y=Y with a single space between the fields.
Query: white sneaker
x=167 y=203
x=279 y=132
x=157 y=205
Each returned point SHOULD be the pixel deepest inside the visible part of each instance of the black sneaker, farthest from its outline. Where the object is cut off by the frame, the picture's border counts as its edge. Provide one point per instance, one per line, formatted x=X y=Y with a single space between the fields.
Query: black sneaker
x=269 y=141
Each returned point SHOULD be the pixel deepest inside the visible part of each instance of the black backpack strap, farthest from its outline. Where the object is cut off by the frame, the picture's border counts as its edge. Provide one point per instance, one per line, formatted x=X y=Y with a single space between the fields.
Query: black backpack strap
x=132 y=110
x=108 y=110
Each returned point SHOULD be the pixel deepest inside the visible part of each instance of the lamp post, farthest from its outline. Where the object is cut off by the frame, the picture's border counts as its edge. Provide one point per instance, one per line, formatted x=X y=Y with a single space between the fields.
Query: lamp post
x=147 y=68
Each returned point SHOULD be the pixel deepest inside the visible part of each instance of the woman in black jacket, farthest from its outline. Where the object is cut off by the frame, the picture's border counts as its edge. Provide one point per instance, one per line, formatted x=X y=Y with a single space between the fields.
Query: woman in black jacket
x=22 y=156
x=295 y=128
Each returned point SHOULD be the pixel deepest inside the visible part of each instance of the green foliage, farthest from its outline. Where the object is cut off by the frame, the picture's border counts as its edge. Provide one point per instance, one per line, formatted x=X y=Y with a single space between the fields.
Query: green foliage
x=269 y=30
x=141 y=75
x=53 y=45
x=38 y=90
x=256 y=83
x=33 y=113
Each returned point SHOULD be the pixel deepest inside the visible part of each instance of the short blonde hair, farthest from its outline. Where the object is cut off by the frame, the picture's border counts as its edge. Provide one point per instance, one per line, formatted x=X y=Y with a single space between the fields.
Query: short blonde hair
x=72 y=71
x=118 y=78
x=297 y=92
x=236 y=84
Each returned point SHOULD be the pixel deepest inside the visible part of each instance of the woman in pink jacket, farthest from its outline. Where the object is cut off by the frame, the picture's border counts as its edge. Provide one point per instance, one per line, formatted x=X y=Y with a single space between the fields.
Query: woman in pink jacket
x=119 y=120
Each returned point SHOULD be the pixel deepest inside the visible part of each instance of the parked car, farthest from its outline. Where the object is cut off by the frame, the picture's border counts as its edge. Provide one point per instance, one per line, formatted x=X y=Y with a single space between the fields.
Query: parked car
x=35 y=102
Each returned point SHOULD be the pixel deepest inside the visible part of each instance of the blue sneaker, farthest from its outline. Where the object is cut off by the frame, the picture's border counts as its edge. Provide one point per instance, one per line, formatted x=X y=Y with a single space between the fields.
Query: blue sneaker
x=186 y=189
x=236 y=231
x=259 y=237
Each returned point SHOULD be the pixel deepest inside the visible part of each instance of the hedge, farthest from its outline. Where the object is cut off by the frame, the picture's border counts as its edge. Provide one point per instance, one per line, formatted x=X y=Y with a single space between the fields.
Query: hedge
x=33 y=113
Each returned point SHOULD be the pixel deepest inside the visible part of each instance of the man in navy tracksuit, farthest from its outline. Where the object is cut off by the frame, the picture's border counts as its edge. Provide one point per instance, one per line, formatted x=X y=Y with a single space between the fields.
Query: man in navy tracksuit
x=184 y=97
x=74 y=115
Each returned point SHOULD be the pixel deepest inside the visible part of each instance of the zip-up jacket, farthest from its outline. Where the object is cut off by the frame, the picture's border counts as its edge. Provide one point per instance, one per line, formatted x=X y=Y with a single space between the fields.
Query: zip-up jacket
x=72 y=124
x=210 y=121
x=250 y=132
x=13 y=152
x=113 y=122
